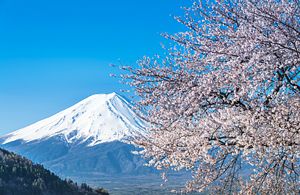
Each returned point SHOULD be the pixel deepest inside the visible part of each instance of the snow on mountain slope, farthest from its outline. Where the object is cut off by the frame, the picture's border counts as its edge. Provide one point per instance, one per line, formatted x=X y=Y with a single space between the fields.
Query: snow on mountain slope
x=97 y=119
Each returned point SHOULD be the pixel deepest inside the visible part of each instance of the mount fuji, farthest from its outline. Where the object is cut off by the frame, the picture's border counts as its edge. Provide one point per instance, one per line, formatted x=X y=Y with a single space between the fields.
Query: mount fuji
x=90 y=138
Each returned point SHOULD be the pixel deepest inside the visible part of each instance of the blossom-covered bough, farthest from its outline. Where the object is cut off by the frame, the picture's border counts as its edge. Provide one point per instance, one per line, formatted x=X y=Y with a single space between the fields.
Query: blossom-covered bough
x=224 y=103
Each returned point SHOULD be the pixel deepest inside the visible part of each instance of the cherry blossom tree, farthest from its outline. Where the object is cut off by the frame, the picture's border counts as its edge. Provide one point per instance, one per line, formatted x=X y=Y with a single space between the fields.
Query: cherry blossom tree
x=224 y=102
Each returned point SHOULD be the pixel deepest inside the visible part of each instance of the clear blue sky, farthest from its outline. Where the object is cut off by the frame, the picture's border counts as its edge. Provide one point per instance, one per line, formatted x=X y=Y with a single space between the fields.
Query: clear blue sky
x=53 y=53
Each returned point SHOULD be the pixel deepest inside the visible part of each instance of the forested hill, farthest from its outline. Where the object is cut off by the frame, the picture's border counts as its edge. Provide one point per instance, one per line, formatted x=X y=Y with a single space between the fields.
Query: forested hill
x=19 y=175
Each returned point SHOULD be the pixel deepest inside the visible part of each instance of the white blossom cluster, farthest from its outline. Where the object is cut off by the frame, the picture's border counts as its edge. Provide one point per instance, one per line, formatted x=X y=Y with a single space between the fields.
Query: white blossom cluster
x=224 y=103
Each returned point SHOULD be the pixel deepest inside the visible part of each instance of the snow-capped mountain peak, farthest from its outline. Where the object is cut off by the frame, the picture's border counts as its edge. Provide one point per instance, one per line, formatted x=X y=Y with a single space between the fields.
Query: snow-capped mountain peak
x=97 y=119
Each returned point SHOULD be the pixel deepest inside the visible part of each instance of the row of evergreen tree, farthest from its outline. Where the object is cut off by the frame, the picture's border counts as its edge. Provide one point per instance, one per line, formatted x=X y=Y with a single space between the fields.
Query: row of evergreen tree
x=19 y=175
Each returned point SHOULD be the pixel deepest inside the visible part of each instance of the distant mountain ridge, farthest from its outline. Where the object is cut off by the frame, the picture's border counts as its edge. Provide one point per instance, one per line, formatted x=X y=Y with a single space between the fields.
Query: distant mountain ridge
x=20 y=176
x=88 y=138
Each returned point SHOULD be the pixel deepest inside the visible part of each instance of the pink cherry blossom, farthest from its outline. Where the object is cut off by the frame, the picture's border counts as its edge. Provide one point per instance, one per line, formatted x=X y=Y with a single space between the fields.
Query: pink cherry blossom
x=224 y=102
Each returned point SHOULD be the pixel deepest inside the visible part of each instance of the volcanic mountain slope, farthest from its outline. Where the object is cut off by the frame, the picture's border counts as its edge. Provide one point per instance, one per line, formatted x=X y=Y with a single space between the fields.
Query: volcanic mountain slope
x=97 y=119
x=88 y=138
